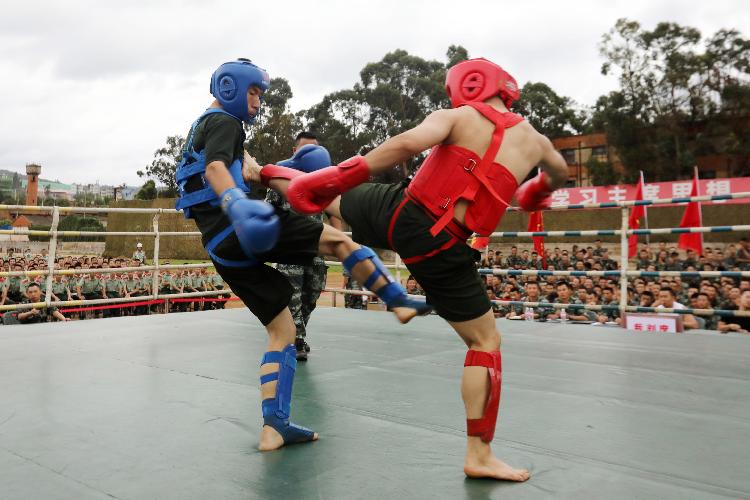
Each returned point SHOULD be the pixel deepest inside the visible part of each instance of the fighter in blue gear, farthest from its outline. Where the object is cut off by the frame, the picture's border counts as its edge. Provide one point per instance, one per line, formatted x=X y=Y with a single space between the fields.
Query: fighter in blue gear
x=230 y=83
x=240 y=235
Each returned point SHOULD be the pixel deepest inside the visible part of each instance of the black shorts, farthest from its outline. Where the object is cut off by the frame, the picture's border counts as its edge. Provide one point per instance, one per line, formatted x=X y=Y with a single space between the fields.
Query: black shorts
x=449 y=277
x=263 y=289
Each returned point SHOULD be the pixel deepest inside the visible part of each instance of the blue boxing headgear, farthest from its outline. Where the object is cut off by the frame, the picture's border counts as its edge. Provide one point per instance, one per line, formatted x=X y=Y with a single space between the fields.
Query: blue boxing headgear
x=230 y=83
x=308 y=158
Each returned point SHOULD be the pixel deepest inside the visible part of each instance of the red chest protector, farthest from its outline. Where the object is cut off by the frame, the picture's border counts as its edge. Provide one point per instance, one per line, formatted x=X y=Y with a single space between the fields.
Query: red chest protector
x=452 y=173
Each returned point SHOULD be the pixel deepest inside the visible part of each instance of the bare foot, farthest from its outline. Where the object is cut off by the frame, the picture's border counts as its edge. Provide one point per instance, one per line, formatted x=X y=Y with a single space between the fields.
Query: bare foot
x=404 y=314
x=270 y=439
x=494 y=468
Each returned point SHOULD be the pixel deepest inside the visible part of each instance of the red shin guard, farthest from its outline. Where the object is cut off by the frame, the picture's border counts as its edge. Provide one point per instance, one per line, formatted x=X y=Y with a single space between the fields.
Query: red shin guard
x=484 y=427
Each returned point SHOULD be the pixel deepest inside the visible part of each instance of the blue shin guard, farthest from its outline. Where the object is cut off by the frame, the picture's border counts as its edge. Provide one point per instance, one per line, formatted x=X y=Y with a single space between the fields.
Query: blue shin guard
x=276 y=410
x=392 y=293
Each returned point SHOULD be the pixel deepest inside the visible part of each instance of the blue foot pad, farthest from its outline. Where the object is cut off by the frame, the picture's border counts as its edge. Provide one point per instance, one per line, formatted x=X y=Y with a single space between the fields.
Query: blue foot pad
x=290 y=432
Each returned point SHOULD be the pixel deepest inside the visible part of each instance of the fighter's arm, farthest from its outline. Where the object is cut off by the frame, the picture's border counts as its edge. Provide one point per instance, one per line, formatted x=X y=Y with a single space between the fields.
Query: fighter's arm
x=433 y=130
x=317 y=191
x=255 y=222
x=217 y=174
x=536 y=194
x=553 y=164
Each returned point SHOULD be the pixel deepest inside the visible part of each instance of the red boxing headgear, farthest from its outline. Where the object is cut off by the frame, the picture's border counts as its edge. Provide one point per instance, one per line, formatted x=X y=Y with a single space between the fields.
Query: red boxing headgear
x=476 y=80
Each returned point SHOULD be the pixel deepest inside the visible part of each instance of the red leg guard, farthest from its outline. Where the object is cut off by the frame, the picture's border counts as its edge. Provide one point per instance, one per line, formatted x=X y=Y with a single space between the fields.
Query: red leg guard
x=485 y=427
x=271 y=171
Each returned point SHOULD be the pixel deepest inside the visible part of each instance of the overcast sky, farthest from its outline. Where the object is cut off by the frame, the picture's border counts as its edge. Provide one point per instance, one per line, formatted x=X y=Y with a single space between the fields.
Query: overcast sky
x=90 y=89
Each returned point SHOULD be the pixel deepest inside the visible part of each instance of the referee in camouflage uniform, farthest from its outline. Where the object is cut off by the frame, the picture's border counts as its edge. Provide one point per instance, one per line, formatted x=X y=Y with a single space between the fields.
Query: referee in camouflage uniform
x=307 y=281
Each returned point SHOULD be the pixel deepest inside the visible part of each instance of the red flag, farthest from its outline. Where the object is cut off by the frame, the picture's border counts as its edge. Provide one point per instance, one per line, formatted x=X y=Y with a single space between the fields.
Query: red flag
x=479 y=242
x=536 y=223
x=692 y=218
x=636 y=214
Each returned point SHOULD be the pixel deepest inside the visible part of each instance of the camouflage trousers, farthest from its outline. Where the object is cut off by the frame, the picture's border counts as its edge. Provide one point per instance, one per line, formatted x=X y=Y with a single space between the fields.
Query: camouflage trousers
x=352 y=301
x=307 y=282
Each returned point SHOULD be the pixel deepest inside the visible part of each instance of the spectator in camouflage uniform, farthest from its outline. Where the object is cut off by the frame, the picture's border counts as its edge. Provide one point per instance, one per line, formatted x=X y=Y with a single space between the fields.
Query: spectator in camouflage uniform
x=563 y=297
x=352 y=301
x=60 y=289
x=14 y=295
x=89 y=287
x=199 y=285
x=307 y=281
x=131 y=288
x=217 y=283
x=497 y=310
x=113 y=289
x=608 y=299
x=532 y=294
x=514 y=261
x=38 y=315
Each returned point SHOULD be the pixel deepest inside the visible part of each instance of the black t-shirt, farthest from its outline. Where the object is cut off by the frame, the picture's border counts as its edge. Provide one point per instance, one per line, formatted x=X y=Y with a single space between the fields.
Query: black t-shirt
x=222 y=137
x=743 y=321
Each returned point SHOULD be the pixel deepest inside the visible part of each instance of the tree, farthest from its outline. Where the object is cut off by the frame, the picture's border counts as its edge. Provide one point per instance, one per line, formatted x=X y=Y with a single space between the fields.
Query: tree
x=339 y=120
x=393 y=95
x=147 y=191
x=455 y=55
x=80 y=223
x=675 y=98
x=164 y=164
x=271 y=139
x=550 y=114
x=602 y=173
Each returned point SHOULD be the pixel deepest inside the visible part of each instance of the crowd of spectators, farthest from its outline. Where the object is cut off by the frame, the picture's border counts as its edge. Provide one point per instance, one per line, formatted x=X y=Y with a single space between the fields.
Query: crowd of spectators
x=97 y=285
x=667 y=292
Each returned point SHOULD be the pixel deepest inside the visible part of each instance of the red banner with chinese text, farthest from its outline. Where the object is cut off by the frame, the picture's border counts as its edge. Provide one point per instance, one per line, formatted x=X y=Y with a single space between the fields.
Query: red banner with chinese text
x=652 y=191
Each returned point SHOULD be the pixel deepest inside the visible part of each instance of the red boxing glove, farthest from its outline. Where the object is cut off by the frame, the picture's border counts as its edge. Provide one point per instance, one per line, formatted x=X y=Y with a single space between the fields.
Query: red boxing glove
x=535 y=194
x=270 y=171
x=311 y=193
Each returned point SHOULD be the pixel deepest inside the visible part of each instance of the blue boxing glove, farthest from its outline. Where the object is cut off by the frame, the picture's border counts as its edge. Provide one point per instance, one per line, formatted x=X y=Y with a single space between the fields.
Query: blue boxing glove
x=255 y=222
x=308 y=158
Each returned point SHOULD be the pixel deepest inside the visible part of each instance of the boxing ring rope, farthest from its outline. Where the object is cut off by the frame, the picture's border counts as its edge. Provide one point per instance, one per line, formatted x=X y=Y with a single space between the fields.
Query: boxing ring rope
x=54 y=233
x=649 y=202
x=622 y=274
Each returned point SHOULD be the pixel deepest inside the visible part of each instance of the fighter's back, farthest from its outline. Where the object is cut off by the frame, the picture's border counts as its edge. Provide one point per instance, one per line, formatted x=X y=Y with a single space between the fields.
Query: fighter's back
x=522 y=147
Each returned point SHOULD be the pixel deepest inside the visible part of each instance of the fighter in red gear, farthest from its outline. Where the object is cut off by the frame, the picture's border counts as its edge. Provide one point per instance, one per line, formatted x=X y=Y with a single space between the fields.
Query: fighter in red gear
x=481 y=153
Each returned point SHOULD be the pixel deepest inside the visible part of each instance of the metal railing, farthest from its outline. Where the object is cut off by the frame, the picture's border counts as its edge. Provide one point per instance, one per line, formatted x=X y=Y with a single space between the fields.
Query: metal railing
x=622 y=273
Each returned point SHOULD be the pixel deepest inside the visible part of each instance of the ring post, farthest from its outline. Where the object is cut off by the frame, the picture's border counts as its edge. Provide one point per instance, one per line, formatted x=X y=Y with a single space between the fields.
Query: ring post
x=624 y=263
x=155 y=276
x=52 y=254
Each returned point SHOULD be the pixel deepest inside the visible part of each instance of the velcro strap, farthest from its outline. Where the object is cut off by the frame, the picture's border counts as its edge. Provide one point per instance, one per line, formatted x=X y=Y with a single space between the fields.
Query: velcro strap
x=480 y=358
x=357 y=256
x=196 y=197
x=443 y=221
x=186 y=171
x=477 y=426
x=269 y=377
x=272 y=357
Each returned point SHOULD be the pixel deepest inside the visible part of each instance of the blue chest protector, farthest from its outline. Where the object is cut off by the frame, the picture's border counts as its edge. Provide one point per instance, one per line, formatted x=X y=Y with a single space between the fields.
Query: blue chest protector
x=193 y=165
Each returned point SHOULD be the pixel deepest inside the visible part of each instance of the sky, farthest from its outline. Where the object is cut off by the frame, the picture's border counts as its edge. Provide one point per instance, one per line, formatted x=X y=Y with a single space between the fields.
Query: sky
x=90 y=89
